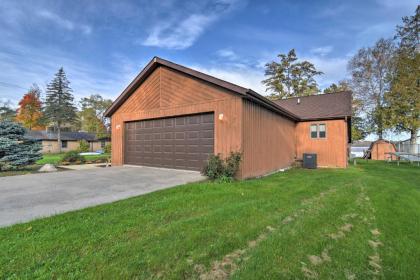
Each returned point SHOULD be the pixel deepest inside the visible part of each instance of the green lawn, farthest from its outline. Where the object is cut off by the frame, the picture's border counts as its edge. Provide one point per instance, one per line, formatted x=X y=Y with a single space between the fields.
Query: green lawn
x=56 y=158
x=358 y=223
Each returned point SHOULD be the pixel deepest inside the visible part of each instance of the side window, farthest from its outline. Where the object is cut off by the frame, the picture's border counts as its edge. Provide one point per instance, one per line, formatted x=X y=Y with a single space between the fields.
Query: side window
x=314 y=131
x=64 y=144
x=322 y=131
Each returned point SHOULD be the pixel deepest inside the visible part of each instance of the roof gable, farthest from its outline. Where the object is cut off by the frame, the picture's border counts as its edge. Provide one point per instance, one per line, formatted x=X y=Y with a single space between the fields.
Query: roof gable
x=241 y=91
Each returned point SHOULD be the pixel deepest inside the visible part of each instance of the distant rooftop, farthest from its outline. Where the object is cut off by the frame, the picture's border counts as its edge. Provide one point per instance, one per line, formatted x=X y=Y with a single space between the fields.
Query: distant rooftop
x=66 y=136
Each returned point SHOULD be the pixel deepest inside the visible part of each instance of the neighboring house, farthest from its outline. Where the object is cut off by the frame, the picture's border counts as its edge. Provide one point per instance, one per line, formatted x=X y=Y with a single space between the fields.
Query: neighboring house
x=359 y=148
x=69 y=140
x=175 y=117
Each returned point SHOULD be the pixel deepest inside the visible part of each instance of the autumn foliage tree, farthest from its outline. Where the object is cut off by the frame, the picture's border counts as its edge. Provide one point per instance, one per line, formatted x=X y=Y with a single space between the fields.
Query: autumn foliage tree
x=29 y=112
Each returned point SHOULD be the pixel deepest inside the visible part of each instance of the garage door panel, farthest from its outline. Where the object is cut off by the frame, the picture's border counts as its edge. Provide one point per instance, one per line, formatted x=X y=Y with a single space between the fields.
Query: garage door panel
x=183 y=142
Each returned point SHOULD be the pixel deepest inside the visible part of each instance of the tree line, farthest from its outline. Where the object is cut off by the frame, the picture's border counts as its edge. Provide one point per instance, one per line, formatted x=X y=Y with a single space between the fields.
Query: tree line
x=384 y=79
x=58 y=109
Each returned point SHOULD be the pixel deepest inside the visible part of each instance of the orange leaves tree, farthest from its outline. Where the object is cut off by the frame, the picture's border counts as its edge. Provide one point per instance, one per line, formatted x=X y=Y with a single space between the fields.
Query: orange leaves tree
x=29 y=111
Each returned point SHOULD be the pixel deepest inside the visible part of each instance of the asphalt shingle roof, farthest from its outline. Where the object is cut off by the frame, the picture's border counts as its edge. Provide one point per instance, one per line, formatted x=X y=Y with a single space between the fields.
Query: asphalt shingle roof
x=321 y=106
x=66 y=136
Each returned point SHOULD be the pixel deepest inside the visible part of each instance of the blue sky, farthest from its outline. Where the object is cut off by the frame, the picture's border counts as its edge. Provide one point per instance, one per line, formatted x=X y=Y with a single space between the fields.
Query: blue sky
x=102 y=45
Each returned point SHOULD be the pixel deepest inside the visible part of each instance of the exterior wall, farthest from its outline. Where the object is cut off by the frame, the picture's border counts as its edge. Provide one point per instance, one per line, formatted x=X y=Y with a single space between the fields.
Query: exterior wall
x=379 y=149
x=168 y=93
x=94 y=146
x=331 y=151
x=51 y=146
x=268 y=141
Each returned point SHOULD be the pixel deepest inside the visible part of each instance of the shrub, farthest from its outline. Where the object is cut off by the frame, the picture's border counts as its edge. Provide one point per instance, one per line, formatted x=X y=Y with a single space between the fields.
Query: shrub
x=222 y=170
x=16 y=151
x=73 y=156
x=83 y=146
x=107 y=149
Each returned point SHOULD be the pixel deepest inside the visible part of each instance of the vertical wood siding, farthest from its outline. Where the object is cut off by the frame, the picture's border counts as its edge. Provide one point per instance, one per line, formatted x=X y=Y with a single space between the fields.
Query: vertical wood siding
x=168 y=93
x=268 y=141
x=380 y=148
x=332 y=150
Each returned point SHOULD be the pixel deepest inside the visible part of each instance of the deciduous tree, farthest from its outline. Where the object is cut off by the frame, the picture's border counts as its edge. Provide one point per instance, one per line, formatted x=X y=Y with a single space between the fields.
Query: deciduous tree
x=29 y=111
x=371 y=69
x=92 y=113
x=341 y=86
x=403 y=100
x=7 y=113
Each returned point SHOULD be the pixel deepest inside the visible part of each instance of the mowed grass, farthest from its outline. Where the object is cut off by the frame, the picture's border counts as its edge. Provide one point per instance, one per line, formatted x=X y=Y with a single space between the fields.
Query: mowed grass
x=269 y=228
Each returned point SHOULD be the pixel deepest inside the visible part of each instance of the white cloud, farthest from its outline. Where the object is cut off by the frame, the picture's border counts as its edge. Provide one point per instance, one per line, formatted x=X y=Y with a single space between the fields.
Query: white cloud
x=64 y=23
x=334 y=69
x=227 y=54
x=322 y=51
x=180 y=36
x=180 y=30
x=245 y=77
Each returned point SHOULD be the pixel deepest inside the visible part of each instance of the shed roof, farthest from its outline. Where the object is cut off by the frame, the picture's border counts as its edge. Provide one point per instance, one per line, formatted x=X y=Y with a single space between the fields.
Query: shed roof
x=320 y=106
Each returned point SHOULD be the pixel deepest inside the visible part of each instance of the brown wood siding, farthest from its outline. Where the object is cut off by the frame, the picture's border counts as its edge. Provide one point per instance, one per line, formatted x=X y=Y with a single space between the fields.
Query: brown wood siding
x=380 y=148
x=167 y=93
x=332 y=150
x=268 y=141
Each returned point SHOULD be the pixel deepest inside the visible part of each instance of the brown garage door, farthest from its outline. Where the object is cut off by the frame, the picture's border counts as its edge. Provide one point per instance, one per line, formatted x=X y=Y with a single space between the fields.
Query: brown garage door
x=183 y=142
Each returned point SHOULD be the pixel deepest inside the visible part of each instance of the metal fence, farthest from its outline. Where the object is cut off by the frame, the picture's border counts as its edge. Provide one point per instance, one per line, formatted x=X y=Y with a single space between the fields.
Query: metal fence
x=408 y=148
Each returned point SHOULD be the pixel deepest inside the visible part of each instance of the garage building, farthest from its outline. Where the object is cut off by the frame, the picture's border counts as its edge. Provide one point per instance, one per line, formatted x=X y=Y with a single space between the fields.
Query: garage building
x=172 y=116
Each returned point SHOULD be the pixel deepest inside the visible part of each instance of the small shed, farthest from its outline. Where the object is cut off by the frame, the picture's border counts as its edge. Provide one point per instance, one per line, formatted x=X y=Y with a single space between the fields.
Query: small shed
x=379 y=149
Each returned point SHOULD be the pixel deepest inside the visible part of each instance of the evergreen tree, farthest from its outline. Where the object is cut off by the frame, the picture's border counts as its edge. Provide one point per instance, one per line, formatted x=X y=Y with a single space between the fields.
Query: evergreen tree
x=289 y=78
x=59 y=106
x=15 y=150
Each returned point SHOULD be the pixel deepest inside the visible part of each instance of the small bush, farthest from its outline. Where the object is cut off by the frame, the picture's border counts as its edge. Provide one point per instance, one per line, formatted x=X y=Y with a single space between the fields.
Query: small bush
x=73 y=157
x=83 y=146
x=221 y=170
x=107 y=149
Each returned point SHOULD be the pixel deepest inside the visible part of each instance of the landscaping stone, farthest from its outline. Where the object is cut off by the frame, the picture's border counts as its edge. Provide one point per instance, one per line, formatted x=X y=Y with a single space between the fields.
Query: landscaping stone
x=48 y=168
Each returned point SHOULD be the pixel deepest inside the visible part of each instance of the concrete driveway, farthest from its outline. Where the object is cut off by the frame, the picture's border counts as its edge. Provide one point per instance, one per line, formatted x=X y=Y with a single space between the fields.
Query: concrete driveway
x=26 y=197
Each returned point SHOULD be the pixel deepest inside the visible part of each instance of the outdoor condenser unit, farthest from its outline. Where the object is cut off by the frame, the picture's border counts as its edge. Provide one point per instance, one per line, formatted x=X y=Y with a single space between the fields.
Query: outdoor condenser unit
x=309 y=161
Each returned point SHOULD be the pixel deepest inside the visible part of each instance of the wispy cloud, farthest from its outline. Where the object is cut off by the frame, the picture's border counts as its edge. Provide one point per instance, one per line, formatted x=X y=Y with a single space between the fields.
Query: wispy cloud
x=245 y=77
x=227 y=54
x=334 y=69
x=181 y=30
x=64 y=23
x=180 y=36
x=322 y=51
x=85 y=79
